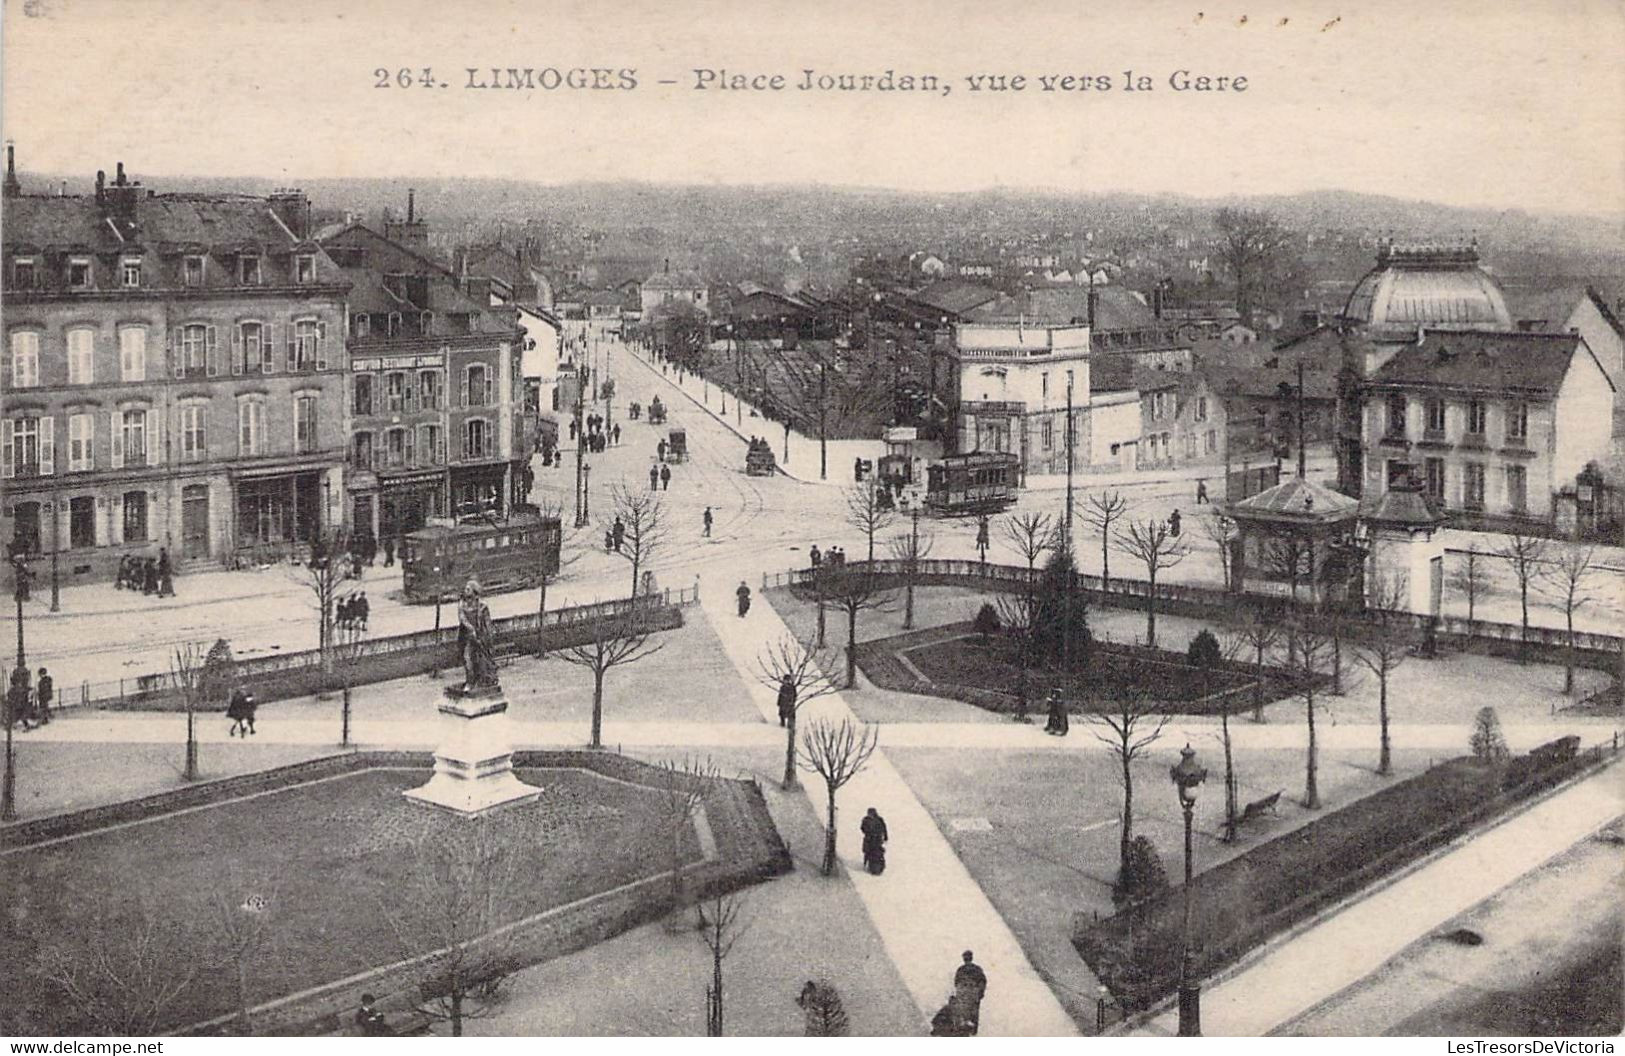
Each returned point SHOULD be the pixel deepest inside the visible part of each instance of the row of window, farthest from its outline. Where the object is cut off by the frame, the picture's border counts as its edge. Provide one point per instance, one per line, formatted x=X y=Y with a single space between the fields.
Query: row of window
x=132 y=273
x=404 y=391
x=28 y=442
x=1435 y=481
x=194 y=351
x=1166 y=404
x=128 y=522
x=423 y=445
x=1435 y=416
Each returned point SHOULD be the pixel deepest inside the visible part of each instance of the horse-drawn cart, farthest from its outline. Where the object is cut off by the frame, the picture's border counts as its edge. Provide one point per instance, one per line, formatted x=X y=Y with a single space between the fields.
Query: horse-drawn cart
x=657 y=412
x=677 y=447
x=759 y=461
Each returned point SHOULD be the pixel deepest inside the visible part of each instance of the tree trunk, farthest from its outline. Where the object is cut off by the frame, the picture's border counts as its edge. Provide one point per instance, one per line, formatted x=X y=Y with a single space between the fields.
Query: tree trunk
x=1568 y=658
x=1128 y=814
x=1523 y=595
x=1105 y=558
x=1151 y=611
x=790 y=753
x=597 y=709
x=829 y=835
x=820 y=623
x=908 y=603
x=1384 y=755
x=1230 y=811
x=191 y=745
x=851 y=646
x=541 y=622
x=456 y=1011
x=1258 y=685
x=1311 y=790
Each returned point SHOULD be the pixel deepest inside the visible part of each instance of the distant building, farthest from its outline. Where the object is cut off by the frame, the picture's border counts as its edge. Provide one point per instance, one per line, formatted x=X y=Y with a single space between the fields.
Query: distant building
x=174 y=376
x=1012 y=388
x=1120 y=323
x=515 y=278
x=1182 y=420
x=666 y=287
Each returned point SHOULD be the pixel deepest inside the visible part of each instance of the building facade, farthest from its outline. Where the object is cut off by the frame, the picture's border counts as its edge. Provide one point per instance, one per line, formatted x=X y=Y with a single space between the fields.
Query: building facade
x=1013 y=386
x=173 y=377
x=1493 y=425
x=436 y=395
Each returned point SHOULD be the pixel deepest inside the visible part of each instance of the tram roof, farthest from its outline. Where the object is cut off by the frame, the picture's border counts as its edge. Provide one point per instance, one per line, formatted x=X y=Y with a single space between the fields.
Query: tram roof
x=523 y=519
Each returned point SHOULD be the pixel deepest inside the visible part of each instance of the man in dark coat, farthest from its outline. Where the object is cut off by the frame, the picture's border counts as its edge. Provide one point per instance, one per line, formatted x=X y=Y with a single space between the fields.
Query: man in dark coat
x=665 y=477
x=787 y=700
x=149 y=576
x=970 y=986
x=875 y=836
x=1058 y=722
x=743 y=594
x=618 y=531
x=45 y=693
x=654 y=478
x=389 y=551
x=1173 y=524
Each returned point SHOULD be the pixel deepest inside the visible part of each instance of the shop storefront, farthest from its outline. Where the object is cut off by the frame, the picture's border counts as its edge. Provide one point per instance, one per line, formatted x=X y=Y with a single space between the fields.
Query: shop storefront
x=406 y=501
x=480 y=490
x=278 y=509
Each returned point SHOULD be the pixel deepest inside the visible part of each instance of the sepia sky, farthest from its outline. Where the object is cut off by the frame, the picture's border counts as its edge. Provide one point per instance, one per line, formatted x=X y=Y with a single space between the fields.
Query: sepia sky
x=1466 y=103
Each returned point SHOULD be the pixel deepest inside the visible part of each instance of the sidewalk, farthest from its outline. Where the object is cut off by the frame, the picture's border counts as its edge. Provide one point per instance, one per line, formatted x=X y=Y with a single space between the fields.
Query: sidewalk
x=927 y=908
x=1344 y=948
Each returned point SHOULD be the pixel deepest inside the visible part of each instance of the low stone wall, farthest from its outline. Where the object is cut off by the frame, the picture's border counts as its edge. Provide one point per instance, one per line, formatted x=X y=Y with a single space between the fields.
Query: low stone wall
x=293 y=681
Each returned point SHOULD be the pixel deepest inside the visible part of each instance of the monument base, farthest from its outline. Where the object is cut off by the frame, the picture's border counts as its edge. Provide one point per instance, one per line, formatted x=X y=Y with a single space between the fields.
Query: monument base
x=473 y=767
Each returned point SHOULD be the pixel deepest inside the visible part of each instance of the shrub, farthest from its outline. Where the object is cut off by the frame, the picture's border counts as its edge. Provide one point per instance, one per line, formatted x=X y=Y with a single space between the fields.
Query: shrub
x=987 y=620
x=826 y=1018
x=1204 y=650
x=1487 y=741
x=1142 y=876
x=1060 y=613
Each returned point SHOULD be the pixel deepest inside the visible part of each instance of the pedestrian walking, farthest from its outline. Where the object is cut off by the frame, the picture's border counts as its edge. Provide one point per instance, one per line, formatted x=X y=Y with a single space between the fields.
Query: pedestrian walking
x=389 y=551
x=237 y=711
x=970 y=986
x=654 y=478
x=814 y=555
x=1059 y=722
x=1173 y=524
x=743 y=594
x=665 y=477
x=707 y=518
x=787 y=700
x=618 y=530
x=44 y=694
x=981 y=539
x=572 y=430
x=875 y=836
x=616 y=433
x=19 y=696
x=363 y=609
x=660 y=451
x=149 y=576
x=1201 y=492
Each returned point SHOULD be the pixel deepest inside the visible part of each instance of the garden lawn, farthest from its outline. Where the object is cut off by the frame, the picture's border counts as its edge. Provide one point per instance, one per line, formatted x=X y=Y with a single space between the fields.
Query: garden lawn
x=330 y=859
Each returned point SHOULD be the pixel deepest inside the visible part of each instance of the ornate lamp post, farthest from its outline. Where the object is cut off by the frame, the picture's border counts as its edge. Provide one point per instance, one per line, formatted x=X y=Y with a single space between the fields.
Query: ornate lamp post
x=1187 y=774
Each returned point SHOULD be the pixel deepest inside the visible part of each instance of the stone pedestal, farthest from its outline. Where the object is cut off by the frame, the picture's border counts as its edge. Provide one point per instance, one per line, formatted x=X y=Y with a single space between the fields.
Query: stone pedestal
x=473 y=767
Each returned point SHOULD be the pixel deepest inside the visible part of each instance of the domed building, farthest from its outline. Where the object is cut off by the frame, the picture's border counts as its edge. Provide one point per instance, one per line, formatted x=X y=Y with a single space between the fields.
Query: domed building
x=1440 y=287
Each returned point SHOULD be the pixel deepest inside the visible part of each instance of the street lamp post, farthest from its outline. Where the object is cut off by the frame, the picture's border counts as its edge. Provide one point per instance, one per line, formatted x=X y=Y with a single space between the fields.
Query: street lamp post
x=1187 y=774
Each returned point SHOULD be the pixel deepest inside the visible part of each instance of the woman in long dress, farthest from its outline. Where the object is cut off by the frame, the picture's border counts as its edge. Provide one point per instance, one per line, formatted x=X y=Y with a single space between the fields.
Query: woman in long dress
x=875 y=835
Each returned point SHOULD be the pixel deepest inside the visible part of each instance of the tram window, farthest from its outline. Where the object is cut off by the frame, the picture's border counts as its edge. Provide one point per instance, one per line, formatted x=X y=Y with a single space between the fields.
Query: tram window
x=490 y=542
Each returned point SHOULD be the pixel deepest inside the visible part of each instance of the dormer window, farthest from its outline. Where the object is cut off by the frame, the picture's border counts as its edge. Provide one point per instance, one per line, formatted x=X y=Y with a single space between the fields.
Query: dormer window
x=79 y=273
x=22 y=273
x=304 y=266
x=132 y=273
x=192 y=271
x=249 y=271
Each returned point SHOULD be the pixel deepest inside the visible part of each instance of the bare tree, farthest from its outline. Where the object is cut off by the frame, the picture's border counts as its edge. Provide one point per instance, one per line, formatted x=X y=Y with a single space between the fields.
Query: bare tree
x=1129 y=723
x=1290 y=557
x=1525 y=553
x=242 y=915
x=1388 y=645
x=821 y=386
x=1221 y=531
x=911 y=548
x=551 y=509
x=1258 y=254
x=1258 y=629
x=1311 y=647
x=1470 y=578
x=325 y=575
x=448 y=911
x=682 y=788
x=1030 y=535
x=1018 y=622
x=837 y=752
x=722 y=924
x=868 y=512
x=1565 y=577
x=852 y=591
x=187 y=668
x=1214 y=651
x=611 y=641
x=789 y=661
x=1154 y=544
x=644 y=528
x=1103 y=510
x=125 y=973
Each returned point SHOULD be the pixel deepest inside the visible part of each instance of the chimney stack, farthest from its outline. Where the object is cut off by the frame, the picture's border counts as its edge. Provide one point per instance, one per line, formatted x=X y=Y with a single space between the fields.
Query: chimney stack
x=411 y=204
x=101 y=186
x=13 y=188
x=1094 y=303
x=292 y=208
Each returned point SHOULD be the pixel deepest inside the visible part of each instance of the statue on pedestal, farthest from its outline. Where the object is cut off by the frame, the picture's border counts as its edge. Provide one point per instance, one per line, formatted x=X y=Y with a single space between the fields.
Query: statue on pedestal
x=474 y=640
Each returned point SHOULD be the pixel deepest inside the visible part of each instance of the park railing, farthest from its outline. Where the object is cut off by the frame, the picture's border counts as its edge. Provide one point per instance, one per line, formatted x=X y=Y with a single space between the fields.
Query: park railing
x=1187 y=599
x=157 y=687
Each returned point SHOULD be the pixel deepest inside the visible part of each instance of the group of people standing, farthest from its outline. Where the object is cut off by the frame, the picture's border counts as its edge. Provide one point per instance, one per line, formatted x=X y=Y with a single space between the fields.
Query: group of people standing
x=28 y=705
x=599 y=436
x=353 y=611
x=146 y=574
x=660 y=475
x=835 y=556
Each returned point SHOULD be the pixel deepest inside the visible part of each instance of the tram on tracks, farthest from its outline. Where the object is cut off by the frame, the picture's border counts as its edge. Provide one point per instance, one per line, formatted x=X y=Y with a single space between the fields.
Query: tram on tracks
x=503 y=554
x=974 y=483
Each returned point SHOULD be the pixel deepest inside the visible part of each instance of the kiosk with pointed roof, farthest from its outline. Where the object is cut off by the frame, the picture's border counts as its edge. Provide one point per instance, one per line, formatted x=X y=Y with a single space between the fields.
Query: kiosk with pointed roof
x=1297 y=521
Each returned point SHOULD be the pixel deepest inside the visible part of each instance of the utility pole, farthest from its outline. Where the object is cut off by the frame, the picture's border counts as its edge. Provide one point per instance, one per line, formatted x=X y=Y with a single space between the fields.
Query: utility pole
x=1069 y=447
x=823 y=411
x=581 y=451
x=1302 y=458
x=56 y=547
